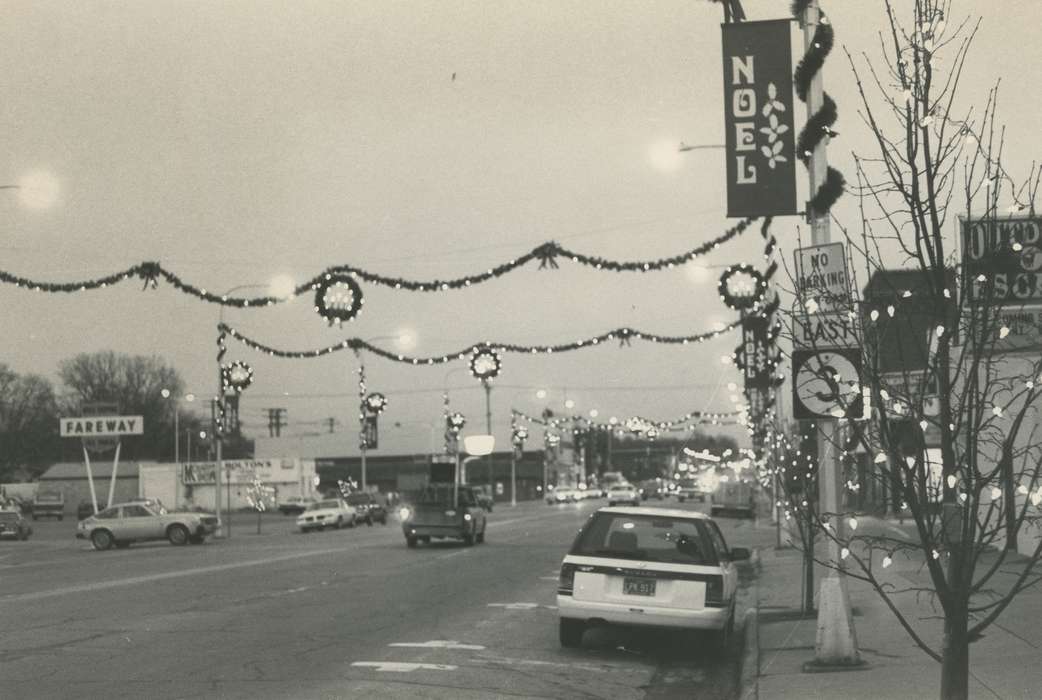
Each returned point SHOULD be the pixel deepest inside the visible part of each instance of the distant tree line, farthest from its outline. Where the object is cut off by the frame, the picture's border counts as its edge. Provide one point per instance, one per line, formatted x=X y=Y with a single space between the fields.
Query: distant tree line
x=30 y=406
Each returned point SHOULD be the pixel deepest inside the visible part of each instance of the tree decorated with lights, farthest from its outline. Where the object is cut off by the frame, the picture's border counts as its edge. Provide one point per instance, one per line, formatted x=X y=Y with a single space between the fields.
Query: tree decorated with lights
x=945 y=414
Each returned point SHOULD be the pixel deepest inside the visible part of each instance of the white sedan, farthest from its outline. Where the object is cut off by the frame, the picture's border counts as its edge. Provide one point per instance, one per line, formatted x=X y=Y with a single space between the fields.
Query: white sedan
x=562 y=495
x=623 y=493
x=330 y=512
x=649 y=566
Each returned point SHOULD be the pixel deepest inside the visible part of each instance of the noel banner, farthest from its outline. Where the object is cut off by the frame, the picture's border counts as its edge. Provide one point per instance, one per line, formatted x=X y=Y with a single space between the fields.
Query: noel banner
x=758 y=120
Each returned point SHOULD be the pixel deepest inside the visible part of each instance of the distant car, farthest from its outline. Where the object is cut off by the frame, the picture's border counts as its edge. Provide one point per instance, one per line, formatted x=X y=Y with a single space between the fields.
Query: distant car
x=623 y=493
x=49 y=505
x=85 y=509
x=295 y=505
x=140 y=521
x=734 y=496
x=650 y=567
x=563 y=495
x=331 y=512
x=368 y=508
x=14 y=526
x=690 y=489
x=652 y=489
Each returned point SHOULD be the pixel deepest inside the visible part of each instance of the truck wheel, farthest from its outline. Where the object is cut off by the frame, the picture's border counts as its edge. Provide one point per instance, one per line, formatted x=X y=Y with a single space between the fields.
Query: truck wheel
x=101 y=540
x=410 y=542
x=177 y=534
x=570 y=632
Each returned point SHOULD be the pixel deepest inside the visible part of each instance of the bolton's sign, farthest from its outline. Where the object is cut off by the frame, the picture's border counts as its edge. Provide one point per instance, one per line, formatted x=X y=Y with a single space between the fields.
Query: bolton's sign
x=758 y=120
x=101 y=426
x=1002 y=260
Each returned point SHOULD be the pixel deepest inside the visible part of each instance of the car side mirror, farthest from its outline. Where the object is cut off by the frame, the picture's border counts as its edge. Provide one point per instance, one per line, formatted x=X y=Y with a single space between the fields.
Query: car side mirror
x=740 y=553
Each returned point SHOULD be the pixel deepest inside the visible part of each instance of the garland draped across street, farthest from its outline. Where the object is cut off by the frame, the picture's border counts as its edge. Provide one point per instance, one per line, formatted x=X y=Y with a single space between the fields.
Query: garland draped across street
x=623 y=335
x=681 y=423
x=546 y=254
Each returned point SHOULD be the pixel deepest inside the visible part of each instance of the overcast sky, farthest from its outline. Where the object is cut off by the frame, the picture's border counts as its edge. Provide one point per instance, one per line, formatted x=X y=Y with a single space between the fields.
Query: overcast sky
x=237 y=141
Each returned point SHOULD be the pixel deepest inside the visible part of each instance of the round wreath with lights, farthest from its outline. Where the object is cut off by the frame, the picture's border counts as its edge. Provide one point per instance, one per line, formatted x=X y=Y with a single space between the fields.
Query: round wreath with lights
x=520 y=435
x=236 y=377
x=485 y=364
x=376 y=402
x=338 y=298
x=742 y=287
x=456 y=421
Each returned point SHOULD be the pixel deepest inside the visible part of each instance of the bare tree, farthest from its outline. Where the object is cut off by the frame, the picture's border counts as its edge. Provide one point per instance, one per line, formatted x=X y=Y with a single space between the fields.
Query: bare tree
x=28 y=424
x=936 y=366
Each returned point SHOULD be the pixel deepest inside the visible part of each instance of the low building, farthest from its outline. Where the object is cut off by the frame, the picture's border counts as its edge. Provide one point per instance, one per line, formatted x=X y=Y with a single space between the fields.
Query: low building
x=70 y=479
x=191 y=485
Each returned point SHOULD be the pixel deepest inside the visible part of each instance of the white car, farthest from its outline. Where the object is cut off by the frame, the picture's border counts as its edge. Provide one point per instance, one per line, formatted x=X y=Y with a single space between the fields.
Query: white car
x=330 y=512
x=623 y=493
x=651 y=567
x=562 y=495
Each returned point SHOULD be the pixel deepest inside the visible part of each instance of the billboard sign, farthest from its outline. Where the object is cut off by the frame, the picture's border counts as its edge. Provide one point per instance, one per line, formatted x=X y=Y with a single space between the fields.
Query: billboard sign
x=101 y=426
x=1002 y=260
x=758 y=118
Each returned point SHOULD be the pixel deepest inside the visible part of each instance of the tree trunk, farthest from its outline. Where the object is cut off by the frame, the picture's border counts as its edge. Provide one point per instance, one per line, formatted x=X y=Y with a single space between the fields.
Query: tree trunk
x=955 y=663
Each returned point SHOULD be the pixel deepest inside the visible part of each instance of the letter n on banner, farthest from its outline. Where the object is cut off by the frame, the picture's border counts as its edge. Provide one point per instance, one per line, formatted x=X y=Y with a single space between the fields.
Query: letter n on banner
x=761 y=164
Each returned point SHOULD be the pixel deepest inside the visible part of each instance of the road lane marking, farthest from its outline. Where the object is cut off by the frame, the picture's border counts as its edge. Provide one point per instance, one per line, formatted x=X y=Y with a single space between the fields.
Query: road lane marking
x=402 y=667
x=514 y=606
x=439 y=644
x=507 y=661
x=135 y=580
x=548 y=578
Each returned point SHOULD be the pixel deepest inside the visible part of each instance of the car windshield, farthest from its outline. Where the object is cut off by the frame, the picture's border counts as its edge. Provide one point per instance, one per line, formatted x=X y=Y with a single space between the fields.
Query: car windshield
x=620 y=488
x=646 y=538
x=441 y=495
x=324 y=504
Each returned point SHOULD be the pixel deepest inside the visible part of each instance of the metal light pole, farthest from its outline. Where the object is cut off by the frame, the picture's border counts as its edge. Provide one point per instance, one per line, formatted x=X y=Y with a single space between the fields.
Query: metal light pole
x=836 y=642
x=488 y=429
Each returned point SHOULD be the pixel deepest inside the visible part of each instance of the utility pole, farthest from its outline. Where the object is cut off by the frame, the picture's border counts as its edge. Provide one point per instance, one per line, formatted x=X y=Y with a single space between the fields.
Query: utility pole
x=836 y=643
x=331 y=422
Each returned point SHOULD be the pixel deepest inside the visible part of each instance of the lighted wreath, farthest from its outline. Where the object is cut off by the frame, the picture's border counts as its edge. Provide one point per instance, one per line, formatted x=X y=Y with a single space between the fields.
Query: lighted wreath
x=376 y=402
x=520 y=435
x=338 y=298
x=456 y=421
x=236 y=377
x=741 y=287
x=485 y=363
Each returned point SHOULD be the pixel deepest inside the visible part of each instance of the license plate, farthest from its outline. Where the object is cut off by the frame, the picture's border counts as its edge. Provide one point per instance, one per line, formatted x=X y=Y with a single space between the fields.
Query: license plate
x=638 y=586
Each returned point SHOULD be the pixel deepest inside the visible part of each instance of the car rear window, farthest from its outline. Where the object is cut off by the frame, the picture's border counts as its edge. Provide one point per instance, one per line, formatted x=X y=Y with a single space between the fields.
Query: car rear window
x=646 y=538
x=324 y=504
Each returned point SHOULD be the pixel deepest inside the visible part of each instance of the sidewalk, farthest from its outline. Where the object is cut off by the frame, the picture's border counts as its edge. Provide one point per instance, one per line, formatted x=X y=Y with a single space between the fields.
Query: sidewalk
x=1006 y=663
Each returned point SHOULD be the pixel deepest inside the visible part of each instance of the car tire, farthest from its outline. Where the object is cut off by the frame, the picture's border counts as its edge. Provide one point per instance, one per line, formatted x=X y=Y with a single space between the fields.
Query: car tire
x=101 y=540
x=177 y=534
x=339 y=523
x=352 y=523
x=410 y=542
x=571 y=632
x=720 y=639
x=369 y=521
x=24 y=536
x=196 y=539
x=468 y=539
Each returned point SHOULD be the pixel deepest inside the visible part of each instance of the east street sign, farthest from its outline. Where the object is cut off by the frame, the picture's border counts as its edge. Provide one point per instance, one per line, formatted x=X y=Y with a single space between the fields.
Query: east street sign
x=101 y=426
x=821 y=276
x=821 y=331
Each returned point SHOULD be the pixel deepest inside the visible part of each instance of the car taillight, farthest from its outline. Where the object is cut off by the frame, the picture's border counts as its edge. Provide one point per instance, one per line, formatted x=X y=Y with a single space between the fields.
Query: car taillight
x=715 y=592
x=566 y=579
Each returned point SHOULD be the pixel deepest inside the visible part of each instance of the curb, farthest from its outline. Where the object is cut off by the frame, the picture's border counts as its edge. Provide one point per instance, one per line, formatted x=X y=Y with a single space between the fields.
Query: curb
x=748 y=684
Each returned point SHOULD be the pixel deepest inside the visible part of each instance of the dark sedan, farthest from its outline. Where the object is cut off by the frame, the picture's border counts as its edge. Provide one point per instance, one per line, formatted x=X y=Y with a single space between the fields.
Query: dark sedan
x=368 y=508
x=14 y=526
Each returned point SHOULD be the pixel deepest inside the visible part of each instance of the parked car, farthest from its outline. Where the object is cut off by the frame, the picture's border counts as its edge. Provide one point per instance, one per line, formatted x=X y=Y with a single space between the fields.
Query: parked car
x=649 y=567
x=85 y=509
x=13 y=525
x=329 y=512
x=439 y=511
x=121 y=524
x=368 y=508
x=49 y=504
x=295 y=505
x=623 y=493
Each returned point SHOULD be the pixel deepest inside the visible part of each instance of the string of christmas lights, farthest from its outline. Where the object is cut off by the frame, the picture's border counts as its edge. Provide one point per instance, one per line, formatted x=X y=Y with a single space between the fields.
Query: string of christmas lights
x=623 y=335
x=546 y=253
x=682 y=423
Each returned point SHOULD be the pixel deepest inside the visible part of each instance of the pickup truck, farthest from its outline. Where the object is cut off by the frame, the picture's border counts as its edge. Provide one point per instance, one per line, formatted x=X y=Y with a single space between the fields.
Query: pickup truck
x=433 y=513
x=49 y=504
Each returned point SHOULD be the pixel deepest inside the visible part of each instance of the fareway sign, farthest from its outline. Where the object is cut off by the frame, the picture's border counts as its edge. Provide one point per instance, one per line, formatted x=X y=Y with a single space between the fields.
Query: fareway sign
x=101 y=426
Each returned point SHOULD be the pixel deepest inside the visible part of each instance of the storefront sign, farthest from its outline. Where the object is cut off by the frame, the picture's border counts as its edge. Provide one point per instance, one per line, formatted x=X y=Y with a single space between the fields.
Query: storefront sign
x=1002 y=260
x=758 y=118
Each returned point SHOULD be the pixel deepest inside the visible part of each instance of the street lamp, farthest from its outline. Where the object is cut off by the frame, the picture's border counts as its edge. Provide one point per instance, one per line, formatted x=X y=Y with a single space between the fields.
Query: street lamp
x=177 y=413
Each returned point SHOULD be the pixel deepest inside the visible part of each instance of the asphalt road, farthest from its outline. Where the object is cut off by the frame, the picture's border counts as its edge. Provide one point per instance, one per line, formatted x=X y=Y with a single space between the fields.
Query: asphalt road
x=339 y=614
